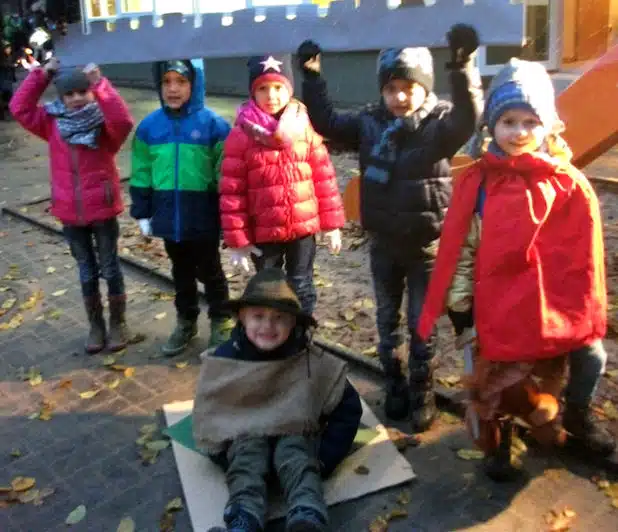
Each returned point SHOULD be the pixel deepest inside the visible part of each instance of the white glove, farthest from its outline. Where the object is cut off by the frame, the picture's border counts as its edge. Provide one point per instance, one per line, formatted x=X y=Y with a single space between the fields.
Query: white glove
x=240 y=256
x=334 y=240
x=145 y=227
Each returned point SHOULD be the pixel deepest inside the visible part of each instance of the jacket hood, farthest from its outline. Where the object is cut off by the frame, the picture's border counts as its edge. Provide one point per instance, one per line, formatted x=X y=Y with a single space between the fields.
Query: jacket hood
x=198 y=86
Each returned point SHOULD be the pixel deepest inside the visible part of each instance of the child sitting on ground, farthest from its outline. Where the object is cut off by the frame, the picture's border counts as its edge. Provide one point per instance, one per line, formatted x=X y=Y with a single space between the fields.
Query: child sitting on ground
x=267 y=399
x=85 y=128
x=174 y=178
x=404 y=145
x=534 y=273
x=278 y=186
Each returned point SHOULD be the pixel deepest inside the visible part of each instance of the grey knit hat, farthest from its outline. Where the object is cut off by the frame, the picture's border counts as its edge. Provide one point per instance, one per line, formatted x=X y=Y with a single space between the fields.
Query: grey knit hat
x=412 y=64
x=70 y=80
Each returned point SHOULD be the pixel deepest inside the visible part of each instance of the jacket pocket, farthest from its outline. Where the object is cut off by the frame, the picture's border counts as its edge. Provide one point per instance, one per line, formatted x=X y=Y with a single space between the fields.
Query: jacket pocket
x=108 y=194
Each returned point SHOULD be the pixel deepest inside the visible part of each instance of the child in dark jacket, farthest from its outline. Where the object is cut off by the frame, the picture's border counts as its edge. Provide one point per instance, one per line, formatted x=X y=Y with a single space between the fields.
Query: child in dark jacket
x=278 y=185
x=7 y=78
x=404 y=145
x=175 y=172
x=268 y=399
x=85 y=128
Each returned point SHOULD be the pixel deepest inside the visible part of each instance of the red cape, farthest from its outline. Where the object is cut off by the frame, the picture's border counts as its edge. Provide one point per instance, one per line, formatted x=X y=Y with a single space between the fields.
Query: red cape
x=539 y=288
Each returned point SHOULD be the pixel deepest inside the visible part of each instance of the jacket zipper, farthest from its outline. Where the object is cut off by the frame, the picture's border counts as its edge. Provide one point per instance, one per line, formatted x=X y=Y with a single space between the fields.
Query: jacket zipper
x=176 y=189
x=79 y=204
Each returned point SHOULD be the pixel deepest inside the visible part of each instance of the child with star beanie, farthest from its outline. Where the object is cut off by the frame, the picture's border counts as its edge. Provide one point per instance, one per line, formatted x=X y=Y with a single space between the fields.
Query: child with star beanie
x=278 y=187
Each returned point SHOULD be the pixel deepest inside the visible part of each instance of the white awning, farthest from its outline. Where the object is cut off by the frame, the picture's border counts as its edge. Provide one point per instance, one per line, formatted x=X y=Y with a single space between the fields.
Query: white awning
x=341 y=27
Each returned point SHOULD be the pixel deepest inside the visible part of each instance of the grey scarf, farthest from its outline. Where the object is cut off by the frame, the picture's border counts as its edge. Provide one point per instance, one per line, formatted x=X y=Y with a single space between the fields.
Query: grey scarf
x=80 y=126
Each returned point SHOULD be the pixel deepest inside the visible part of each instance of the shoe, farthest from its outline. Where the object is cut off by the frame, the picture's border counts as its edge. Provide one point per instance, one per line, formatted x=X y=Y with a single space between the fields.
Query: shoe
x=119 y=334
x=220 y=331
x=397 y=400
x=305 y=519
x=96 y=337
x=500 y=465
x=178 y=341
x=579 y=422
x=423 y=410
x=239 y=520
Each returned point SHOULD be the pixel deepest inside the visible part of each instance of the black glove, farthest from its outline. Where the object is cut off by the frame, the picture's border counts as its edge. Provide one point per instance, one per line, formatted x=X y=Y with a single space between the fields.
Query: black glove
x=308 y=56
x=463 y=40
x=461 y=320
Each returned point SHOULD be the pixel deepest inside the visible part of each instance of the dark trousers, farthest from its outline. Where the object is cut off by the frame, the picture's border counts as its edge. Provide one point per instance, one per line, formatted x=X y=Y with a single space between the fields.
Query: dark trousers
x=297 y=256
x=392 y=274
x=5 y=98
x=95 y=248
x=192 y=261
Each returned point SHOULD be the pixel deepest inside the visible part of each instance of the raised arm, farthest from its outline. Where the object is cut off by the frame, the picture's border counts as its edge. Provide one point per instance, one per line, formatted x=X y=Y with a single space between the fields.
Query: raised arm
x=24 y=105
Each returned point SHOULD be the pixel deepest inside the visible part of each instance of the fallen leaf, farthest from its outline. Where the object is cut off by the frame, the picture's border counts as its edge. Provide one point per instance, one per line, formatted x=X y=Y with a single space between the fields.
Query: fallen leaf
x=15 y=322
x=43 y=494
x=59 y=293
x=181 y=365
x=19 y=484
x=142 y=440
x=397 y=513
x=45 y=414
x=119 y=367
x=368 y=303
x=348 y=315
x=51 y=269
x=148 y=456
x=31 y=302
x=160 y=316
x=76 y=515
x=328 y=324
x=174 y=505
x=560 y=521
x=470 y=454
x=148 y=429
x=167 y=522
x=449 y=381
x=15 y=453
x=89 y=394
x=126 y=525
x=612 y=373
x=404 y=498
x=379 y=524
x=113 y=384
x=28 y=496
x=610 y=411
x=35 y=380
x=361 y=470
x=65 y=384
x=54 y=314
x=157 y=445
x=129 y=372
x=370 y=351
x=8 y=304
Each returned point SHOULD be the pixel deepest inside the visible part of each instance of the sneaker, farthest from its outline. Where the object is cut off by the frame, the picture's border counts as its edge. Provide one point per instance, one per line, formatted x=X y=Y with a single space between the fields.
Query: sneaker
x=305 y=519
x=239 y=520
x=178 y=341
x=220 y=331
x=580 y=423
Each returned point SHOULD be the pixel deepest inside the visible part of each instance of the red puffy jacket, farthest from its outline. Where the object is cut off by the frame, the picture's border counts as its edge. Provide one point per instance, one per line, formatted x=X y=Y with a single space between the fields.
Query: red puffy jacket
x=277 y=180
x=85 y=185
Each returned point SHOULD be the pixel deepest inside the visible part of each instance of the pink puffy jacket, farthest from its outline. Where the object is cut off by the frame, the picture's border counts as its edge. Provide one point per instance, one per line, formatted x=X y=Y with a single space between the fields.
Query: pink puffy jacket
x=85 y=185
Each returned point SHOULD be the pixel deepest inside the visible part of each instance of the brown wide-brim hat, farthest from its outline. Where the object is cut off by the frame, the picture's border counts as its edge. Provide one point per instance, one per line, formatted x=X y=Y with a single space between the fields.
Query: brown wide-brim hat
x=269 y=288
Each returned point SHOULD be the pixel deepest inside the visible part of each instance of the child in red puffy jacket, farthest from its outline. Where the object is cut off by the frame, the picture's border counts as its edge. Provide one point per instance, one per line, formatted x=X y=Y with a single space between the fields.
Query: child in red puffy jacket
x=278 y=186
x=85 y=128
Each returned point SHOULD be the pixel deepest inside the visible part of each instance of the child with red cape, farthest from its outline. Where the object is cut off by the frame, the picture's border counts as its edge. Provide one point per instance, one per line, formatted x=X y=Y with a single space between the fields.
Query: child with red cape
x=521 y=260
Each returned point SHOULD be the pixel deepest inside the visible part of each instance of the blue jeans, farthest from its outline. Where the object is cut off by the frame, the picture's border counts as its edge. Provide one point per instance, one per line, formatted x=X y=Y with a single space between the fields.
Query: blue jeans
x=586 y=365
x=298 y=256
x=391 y=274
x=95 y=248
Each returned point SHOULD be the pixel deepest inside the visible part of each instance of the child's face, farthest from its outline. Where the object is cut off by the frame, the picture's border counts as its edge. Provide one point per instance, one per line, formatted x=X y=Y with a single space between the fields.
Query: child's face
x=175 y=90
x=403 y=97
x=266 y=328
x=77 y=99
x=519 y=131
x=272 y=96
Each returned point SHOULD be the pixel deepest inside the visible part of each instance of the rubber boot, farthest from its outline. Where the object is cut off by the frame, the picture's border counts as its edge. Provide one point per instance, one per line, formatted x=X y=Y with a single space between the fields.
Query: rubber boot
x=498 y=464
x=397 y=400
x=96 y=337
x=119 y=334
x=579 y=422
x=423 y=410
x=180 y=338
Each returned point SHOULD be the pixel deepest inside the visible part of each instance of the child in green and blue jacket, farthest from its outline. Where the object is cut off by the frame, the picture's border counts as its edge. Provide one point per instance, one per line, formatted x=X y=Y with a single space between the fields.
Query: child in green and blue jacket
x=174 y=180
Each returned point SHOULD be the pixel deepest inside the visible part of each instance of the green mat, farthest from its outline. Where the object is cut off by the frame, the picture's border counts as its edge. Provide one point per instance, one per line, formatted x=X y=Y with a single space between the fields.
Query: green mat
x=182 y=432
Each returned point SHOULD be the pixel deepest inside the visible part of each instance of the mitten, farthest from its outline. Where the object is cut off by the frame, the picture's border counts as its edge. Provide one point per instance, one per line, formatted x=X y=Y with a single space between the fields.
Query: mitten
x=463 y=40
x=308 y=55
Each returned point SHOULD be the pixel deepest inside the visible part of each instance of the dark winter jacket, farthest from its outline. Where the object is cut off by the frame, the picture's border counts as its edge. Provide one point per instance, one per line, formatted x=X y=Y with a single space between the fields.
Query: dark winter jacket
x=175 y=168
x=407 y=212
x=340 y=426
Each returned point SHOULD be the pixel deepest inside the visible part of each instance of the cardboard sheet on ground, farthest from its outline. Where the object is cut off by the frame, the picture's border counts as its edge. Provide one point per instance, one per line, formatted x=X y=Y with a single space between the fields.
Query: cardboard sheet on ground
x=204 y=486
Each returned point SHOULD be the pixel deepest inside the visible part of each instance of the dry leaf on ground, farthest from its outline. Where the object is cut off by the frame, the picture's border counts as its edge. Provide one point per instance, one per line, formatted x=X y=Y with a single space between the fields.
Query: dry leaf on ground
x=361 y=470
x=379 y=524
x=174 y=505
x=76 y=515
x=89 y=394
x=19 y=484
x=470 y=454
x=126 y=525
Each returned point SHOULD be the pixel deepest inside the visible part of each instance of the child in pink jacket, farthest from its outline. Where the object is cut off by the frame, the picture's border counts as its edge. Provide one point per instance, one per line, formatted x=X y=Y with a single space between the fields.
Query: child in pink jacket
x=85 y=128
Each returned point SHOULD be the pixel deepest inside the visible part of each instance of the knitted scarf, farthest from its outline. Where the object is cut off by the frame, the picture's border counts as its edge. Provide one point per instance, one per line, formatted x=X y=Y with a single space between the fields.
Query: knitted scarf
x=79 y=126
x=384 y=154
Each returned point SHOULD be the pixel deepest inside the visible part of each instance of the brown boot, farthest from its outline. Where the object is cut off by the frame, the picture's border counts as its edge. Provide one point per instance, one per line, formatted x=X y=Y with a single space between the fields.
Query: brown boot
x=119 y=334
x=96 y=337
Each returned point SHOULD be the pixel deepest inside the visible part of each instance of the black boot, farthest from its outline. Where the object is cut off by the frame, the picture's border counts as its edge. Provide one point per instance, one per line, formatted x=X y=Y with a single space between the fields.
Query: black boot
x=578 y=421
x=397 y=402
x=423 y=410
x=499 y=466
x=96 y=337
x=119 y=334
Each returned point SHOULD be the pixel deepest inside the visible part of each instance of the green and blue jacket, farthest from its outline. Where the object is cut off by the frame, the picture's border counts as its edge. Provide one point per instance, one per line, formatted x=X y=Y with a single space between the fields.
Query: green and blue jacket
x=176 y=160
